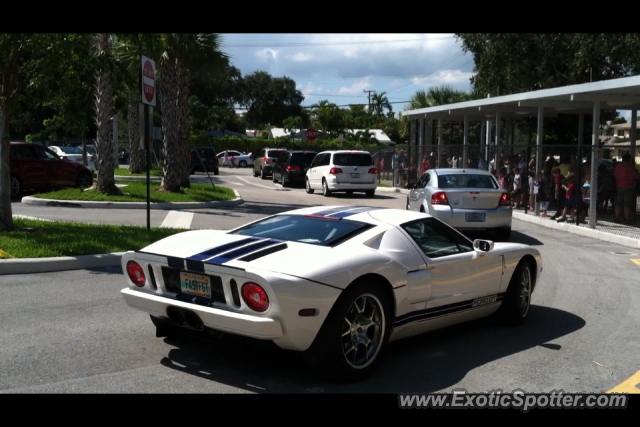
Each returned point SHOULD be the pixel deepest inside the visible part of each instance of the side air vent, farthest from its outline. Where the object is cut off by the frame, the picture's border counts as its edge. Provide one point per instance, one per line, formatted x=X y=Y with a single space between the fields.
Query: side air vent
x=235 y=294
x=152 y=278
x=264 y=252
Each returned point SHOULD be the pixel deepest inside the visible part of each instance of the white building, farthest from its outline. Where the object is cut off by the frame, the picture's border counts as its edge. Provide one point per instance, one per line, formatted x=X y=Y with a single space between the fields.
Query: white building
x=300 y=134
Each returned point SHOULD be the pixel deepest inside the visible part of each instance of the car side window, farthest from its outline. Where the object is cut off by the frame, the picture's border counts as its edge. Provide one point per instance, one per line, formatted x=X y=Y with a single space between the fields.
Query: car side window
x=45 y=154
x=283 y=157
x=326 y=160
x=316 y=160
x=436 y=239
x=422 y=182
x=22 y=152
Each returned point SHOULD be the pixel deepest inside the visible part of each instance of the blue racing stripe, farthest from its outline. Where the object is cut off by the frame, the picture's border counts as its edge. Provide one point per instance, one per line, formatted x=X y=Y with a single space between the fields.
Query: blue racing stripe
x=353 y=212
x=330 y=211
x=430 y=313
x=242 y=251
x=221 y=249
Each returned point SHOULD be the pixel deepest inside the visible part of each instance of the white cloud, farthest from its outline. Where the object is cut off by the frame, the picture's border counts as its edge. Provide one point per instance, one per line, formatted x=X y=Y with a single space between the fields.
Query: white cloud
x=300 y=57
x=394 y=83
x=267 y=54
x=309 y=89
x=357 y=87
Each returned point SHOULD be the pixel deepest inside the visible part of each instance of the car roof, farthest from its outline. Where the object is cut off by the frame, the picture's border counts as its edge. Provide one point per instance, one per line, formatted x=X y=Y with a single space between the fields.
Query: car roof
x=346 y=151
x=451 y=171
x=303 y=152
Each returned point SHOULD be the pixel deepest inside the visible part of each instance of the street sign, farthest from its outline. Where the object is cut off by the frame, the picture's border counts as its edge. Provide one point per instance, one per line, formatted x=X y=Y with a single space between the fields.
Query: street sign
x=341 y=137
x=148 y=81
x=311 y=134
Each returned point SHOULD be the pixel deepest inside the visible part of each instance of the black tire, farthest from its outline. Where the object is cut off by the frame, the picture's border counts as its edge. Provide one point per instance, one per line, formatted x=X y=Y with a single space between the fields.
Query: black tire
x=329 y=353
x=84 y=180
x=307 y=187
x=273 y=177
x=255 y=173
x=325 y=189
x=503 y=234
x=370 y=193
x=517 y=301
x=242 y=164
x=15 y=185
x=216 y=171
x=407 y=207
x=285 y=183
x=262 y=174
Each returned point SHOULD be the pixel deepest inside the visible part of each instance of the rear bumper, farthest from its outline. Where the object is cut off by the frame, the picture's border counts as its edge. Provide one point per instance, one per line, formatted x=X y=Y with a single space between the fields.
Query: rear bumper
x=494 y=218
x=235 y=323
x=334 y=185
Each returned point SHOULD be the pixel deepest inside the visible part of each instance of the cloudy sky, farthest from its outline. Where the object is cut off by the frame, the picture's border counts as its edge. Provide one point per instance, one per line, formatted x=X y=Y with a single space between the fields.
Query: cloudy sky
x=340 y=67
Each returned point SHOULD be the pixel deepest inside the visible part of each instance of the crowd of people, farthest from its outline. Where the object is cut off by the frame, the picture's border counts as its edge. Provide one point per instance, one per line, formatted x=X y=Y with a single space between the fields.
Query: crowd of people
x=562 y=185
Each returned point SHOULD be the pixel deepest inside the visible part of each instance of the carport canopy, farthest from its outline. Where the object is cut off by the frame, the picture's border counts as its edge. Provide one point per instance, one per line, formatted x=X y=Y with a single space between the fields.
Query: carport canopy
x=618 y=94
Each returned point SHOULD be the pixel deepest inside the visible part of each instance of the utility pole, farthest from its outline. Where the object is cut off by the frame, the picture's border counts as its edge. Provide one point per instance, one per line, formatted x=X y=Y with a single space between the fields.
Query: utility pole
x=369 y=92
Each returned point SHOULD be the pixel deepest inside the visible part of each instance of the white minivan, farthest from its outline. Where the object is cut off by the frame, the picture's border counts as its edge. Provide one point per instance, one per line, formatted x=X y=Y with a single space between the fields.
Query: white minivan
x=342 y=171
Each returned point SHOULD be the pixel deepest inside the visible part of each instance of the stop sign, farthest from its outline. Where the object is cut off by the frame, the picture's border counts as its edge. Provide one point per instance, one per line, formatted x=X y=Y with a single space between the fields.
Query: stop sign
x=311 y=134
x=148 y=81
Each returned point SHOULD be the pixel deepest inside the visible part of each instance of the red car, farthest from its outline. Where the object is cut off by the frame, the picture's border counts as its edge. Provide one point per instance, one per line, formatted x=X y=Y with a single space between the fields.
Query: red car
x=34 y=167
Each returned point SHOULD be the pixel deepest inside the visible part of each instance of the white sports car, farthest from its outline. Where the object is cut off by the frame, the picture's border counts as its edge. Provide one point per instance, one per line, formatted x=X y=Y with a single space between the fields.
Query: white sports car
x=337 y=282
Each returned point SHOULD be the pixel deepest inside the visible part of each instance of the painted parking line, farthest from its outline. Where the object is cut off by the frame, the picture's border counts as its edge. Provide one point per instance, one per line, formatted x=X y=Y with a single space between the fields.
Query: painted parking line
x=257 y=185
x=178 y=219
x=631 y=386
x=635 y=261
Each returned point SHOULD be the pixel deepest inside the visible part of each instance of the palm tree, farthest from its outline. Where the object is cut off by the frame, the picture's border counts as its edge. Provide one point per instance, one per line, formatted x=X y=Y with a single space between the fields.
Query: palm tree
x=292 y=123
x=379 y=103
x=328 y=117
x=200 y=52
x=365 y=137
x=127 y=49
x=103 y=112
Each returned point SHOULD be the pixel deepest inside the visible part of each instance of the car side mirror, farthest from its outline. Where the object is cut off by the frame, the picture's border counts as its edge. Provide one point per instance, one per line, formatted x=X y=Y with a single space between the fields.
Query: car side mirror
x=483 y=245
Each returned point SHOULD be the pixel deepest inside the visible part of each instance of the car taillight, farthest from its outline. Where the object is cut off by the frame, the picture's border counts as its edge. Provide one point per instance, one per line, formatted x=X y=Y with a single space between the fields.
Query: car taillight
x=190 y=158
x=505 y=199
x=136 y=273
x=373 y=171
x=255 y=297
x=266 y=160
x=439 y=198
x=293 y=168
x=335 y=171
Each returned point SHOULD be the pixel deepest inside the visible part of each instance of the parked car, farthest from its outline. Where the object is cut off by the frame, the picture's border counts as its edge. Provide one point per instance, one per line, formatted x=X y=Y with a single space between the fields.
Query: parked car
x=264 y=161
x=335 y=282
x=34 y=167
x=342 y=171
x=292 y=166
x=207 y=156
x=241 y=160
x=74 y=154
x=465 y=199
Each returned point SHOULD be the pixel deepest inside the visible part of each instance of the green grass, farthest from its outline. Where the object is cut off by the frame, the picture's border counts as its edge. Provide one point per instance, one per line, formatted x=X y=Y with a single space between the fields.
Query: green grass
x=384 y=185
x=136 y=191
x=42 y=239
x=125 y=172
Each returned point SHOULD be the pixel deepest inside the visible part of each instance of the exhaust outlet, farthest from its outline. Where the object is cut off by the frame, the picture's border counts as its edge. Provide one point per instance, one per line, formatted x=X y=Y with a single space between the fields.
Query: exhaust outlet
x=193 y=320
x=176 y=316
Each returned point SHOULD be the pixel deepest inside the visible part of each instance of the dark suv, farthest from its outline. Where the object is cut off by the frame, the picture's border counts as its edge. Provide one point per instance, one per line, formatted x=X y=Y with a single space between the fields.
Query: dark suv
x=208 y=157
x=292 y=166
x=264 y=161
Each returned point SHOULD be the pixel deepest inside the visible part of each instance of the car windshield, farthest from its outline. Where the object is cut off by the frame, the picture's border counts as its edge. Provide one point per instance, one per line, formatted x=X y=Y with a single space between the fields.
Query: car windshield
x=71 y=150
x=273 y=153
x=466 y=180
x=302 y=159
x=352 y=159
x=305 y=229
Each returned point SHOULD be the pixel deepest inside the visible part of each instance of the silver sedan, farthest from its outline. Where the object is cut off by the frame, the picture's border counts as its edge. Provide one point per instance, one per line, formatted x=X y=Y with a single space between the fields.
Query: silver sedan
x=466 y=199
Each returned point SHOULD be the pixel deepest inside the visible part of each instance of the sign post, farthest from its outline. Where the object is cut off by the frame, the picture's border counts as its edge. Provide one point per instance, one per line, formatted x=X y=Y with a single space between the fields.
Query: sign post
x=311 y=135
x=148 y=91
x=341 y=139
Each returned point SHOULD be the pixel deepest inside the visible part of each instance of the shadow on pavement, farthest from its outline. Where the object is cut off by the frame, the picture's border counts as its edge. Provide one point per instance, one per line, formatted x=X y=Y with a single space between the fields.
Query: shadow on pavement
x=427 y=363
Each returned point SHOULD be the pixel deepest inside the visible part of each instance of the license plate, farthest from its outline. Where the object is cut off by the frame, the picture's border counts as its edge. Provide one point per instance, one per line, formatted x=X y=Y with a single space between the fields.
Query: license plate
x=195 y=284
x=355 y=175
x=474 y=217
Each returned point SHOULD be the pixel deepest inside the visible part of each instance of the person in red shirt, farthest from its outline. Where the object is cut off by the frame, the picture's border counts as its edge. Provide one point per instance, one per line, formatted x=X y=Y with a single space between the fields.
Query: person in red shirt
x=571 y=197
x=558 y=192
x=625 y=174
x=425 y=164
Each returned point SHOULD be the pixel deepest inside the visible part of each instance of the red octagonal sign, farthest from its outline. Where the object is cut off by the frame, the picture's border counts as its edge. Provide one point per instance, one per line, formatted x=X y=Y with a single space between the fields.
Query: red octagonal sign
x=311 y=134
x=148 y=82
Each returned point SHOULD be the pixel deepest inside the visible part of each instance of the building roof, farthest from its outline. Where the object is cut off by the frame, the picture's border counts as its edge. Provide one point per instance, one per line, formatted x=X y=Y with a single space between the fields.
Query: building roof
x=617 y=94
x=222 y=133
x=300 y=134
x=625 y=126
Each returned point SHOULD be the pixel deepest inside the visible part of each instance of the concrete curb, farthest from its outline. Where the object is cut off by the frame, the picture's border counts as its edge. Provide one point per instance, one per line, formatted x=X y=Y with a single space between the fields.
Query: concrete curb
x=137 y=178
x=582 y=231
x=49 y=265
x=33 y=201
x=393 y=190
